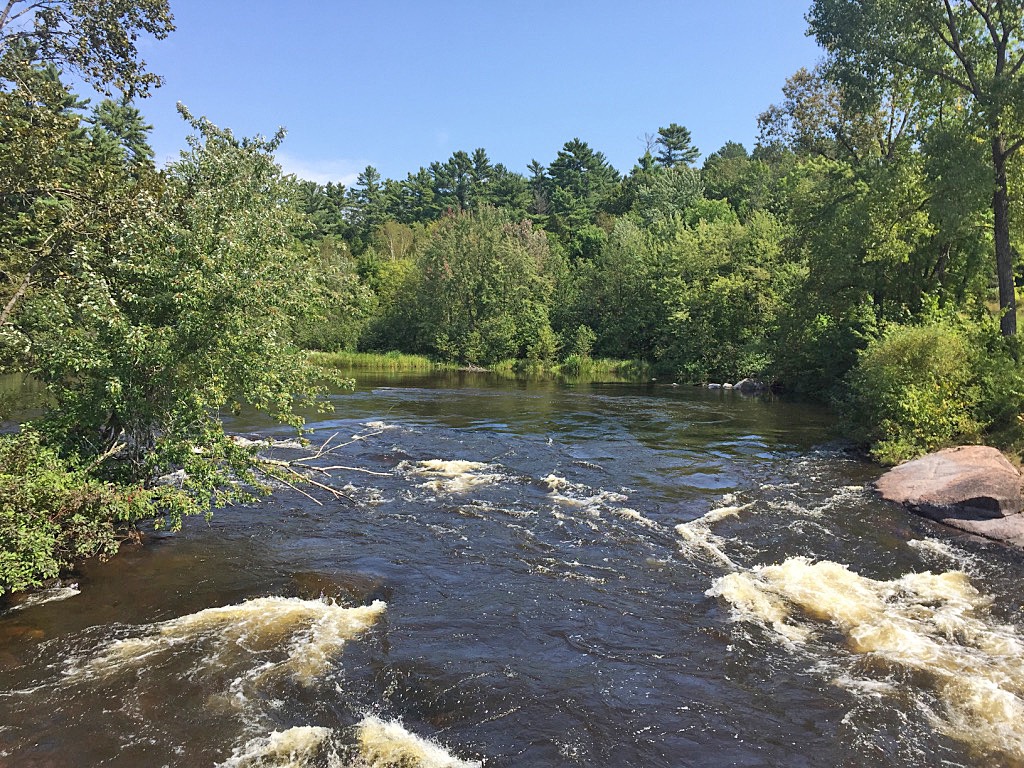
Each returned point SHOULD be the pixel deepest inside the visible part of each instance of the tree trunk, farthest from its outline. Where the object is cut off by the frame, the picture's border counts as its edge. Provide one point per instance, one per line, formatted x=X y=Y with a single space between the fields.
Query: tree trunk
x=1004 y=253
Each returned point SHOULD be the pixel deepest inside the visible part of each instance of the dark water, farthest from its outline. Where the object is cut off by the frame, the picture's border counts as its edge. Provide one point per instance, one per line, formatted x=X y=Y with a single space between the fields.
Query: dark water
x=542 y=609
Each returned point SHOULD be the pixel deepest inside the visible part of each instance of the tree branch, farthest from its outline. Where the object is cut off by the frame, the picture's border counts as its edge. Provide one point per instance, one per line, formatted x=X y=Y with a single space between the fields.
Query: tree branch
x=1015 y=67
x=956 y=47
x=6 y=13
x=113 y=450
x=298 y=490
x=25 y=283
x=18 y=294
x=986 y=15
x=941 y=74
x=6 y=19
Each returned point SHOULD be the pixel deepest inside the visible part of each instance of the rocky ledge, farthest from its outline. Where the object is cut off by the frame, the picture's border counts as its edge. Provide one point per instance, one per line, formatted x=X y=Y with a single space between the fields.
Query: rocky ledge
x=972 y=488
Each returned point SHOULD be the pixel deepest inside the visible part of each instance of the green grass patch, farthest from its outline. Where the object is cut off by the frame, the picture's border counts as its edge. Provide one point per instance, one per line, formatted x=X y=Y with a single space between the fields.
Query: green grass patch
x=376 y=361
x=574 y=369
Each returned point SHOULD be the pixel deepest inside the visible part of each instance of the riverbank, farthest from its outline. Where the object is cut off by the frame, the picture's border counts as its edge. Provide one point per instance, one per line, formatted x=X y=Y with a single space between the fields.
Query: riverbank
x=396 y=362
x=574 y=367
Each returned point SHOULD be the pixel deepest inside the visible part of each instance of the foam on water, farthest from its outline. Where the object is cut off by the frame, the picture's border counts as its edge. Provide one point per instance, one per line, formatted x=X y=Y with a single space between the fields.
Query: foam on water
x=635 y=516
x=698 y=538
x=291 y=443
x=46 y=596
x=935 y=625
x=311 y=632
x=387 y=744
x=379 y=425
x=568 y=494
x=294 y=748
x=840 y=498
x=933 y=548
x=556 y=482
x=715 y=515
x=455 y=476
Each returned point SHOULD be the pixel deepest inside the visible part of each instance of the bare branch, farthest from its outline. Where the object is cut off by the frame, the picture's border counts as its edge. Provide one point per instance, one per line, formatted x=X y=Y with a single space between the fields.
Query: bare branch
x=350 y=469
x=6 y=13
x=6 y=19
x=297 y=490
x=355 y=439
x=18 y=295
x=333 y=491
x=112 y=451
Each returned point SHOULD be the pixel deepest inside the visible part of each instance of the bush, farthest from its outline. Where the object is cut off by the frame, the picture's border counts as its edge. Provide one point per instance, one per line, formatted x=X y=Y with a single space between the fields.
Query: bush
x=52 y=512
x=914 y=389
x=1001 y=378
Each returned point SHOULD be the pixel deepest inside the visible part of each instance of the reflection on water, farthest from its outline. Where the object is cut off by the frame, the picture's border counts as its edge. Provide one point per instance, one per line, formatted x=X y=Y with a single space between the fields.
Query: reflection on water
x=21 y=397
x=573 y=576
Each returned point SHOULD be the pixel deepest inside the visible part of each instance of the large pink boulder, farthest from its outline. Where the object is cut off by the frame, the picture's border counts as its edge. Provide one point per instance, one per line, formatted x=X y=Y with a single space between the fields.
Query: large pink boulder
x=973 y=488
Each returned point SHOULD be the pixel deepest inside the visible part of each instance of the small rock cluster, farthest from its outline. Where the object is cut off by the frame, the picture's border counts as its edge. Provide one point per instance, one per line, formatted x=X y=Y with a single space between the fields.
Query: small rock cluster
x=743 y=386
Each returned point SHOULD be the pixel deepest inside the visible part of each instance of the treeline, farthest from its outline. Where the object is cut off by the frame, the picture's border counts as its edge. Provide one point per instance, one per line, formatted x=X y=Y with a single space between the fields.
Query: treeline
x=470 y=262
x=782 y=263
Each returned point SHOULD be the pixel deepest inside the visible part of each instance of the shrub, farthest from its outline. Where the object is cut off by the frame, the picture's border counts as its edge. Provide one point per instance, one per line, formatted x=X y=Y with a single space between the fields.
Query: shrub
x=1001 y=379
x=914 y=389
x=52 y=512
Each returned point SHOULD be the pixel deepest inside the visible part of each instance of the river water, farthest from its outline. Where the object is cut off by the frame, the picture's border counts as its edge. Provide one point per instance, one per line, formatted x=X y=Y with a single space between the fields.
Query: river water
x=599 y=575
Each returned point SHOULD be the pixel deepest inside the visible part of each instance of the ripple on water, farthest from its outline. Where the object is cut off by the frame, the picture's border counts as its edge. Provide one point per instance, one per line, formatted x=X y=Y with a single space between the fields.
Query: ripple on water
x=538 y=607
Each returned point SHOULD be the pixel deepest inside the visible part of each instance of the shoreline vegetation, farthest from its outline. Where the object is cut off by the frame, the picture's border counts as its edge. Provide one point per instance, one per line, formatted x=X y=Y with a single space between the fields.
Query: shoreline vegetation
x=572 y=368
x=851 y=257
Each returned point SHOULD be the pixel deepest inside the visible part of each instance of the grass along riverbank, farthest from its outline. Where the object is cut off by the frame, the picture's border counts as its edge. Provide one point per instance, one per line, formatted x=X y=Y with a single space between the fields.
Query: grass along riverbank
x=573 y=367
x=375 y=361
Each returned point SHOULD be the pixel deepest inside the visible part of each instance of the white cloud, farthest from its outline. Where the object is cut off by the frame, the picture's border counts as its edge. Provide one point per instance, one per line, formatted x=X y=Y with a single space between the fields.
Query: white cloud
x=321 y=171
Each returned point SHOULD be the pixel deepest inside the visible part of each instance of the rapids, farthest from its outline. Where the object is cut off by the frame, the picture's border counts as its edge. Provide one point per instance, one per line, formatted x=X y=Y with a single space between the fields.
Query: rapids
x=533 y=576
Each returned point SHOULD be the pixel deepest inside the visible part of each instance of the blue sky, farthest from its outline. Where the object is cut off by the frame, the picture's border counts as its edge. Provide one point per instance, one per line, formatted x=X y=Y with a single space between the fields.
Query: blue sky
x=398 y=84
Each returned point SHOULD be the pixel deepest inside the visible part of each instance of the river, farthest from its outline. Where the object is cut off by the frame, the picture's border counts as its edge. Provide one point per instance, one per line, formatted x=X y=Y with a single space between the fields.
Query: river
x=534 y=575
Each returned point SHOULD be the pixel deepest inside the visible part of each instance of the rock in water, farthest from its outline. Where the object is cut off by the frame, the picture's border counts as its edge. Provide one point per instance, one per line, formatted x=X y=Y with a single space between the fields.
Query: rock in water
x=750 y=386
x=972 y=488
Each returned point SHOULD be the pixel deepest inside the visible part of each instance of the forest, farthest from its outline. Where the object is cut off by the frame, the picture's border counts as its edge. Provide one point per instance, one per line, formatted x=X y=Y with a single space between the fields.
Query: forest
x=864 y=253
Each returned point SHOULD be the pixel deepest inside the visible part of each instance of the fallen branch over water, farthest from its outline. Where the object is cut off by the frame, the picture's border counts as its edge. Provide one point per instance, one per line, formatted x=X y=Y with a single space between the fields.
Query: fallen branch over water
x=280 y=469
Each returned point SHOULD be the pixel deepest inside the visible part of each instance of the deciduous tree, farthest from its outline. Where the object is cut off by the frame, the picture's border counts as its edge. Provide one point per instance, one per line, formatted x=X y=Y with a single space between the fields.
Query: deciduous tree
x=96 y=40
x=954 y=53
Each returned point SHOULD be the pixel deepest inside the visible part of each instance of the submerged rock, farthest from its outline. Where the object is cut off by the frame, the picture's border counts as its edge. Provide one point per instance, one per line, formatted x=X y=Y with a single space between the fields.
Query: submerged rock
x=348 y=587
x=972 y=488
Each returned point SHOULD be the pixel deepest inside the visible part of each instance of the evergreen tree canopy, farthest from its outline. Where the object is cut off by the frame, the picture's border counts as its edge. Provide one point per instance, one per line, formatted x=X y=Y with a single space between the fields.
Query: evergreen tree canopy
x=676 y=146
